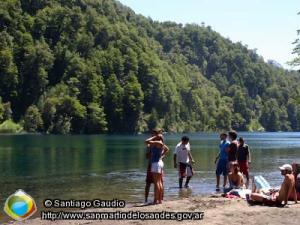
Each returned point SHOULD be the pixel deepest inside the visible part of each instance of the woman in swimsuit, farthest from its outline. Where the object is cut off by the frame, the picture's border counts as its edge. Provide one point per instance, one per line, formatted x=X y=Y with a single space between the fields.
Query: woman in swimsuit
x=158 y=152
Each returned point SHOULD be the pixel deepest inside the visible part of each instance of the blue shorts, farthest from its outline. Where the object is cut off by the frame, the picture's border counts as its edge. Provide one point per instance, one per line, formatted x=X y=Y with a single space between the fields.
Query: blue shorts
x=222 y=167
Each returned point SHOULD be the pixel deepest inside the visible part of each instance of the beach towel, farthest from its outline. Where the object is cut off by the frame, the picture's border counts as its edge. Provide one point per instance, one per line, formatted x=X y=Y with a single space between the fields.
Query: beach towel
x=240 y=193
x=261 y=183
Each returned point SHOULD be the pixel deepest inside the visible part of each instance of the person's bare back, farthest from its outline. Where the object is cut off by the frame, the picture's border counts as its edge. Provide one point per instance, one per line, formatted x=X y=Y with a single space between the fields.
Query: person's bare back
x=287 y=188
x=236 y=179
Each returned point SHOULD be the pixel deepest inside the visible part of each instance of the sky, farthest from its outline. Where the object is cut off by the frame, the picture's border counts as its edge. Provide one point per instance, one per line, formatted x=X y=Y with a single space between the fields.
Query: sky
x=270 y=26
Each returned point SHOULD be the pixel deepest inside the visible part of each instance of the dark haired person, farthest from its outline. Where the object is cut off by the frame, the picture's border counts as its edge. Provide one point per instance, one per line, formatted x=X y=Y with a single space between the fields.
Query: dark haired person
x=232 y=150
x=235 y=177
x=158 y=152
x=244 y=158
x=222 y=161
x=295 y=195
x=149 y=178
x=277 y=197
x=182 y=158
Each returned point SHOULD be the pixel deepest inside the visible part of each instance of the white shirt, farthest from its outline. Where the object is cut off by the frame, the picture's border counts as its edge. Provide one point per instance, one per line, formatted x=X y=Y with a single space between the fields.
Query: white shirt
x=182 y=152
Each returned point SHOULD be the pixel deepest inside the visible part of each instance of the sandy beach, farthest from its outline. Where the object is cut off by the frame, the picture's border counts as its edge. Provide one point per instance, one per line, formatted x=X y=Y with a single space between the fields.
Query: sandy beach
x=216 y=210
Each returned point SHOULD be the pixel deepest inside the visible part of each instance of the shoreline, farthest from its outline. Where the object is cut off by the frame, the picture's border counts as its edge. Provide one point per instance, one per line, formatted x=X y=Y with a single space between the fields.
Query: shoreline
x=139 y=134
x=217 y=210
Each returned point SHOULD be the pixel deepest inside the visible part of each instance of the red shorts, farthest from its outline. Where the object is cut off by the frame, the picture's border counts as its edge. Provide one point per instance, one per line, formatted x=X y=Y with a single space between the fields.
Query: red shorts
x=149 y=176
x=291 y=197
x=244 y=167
x=185 y=170
x=272 y=199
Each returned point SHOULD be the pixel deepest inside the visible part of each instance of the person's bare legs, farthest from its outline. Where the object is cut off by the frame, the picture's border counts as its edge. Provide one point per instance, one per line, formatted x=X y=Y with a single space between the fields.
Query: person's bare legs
x=180 y=182
x=147 y=190
x=163 y=188
x=218 y=182
x=161 y=191
x=225 y=181
x=257 y=197
x=157 y=187
x=248 y=179
x=187 y=182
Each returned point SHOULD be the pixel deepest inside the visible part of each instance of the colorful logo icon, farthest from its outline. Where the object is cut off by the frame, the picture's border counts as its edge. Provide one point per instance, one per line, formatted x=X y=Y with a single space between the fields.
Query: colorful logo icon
x=20 y=206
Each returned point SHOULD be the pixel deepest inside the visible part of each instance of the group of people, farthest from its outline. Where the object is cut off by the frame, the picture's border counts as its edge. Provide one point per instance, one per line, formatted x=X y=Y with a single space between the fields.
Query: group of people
x=232 y=162
x=156 y=151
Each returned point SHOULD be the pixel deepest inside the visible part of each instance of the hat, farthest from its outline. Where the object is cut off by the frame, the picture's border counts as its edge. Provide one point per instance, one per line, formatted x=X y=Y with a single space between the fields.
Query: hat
x=286 y=167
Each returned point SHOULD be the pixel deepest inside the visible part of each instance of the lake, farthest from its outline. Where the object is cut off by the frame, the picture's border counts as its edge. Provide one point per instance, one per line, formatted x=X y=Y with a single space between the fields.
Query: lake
x=107 y=167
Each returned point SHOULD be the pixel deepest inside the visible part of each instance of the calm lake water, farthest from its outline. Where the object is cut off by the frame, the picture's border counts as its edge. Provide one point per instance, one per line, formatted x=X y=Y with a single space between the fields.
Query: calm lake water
x=107 y=167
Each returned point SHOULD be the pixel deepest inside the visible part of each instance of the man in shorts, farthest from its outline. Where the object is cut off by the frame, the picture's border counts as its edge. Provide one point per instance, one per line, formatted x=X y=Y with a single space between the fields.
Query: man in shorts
x=222 y=161
x=244 y=158
x=182 y=158
x=275 y=198
x=232 y=150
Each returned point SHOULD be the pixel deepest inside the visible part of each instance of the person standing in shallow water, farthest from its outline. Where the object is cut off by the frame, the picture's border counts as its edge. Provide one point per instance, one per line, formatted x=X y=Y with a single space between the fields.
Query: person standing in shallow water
x=182 y=158
x=158 y=152
x=149 y=177
x=232 y=150
x=222 y=161
x=244 y=158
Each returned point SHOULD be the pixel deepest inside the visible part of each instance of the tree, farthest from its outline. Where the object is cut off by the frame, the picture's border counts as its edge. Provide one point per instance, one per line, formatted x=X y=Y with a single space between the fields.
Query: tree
x=114 y=104
x=296 y=60
x=133 y=103
x=1 y=111
x=224 y=118
x=96 y=66
x=49 y=114
x=33 y=120
x=270 y=116
x=7 y=114
x=95 y=122
x=69 y=110
x=37 y=61
x=8 y=69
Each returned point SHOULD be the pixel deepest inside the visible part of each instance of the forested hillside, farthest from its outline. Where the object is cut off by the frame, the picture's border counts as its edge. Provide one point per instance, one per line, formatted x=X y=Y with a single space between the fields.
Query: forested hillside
x=93 y=66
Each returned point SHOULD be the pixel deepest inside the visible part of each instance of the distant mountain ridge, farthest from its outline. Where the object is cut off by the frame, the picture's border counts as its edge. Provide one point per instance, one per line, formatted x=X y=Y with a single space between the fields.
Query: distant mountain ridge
x=274 y=63
x=94 y=66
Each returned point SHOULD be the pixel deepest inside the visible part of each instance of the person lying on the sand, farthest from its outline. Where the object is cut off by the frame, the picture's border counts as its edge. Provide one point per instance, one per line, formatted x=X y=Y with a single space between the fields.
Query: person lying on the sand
x=277 y=197
x=236 y=179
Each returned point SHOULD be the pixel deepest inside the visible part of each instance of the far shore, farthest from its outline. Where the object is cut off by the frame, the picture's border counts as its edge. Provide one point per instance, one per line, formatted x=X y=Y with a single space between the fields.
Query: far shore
x=217 y=210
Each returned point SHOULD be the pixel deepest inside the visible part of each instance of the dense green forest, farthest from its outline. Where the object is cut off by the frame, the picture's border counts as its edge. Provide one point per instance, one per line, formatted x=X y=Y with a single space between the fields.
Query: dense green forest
x=94 y=66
